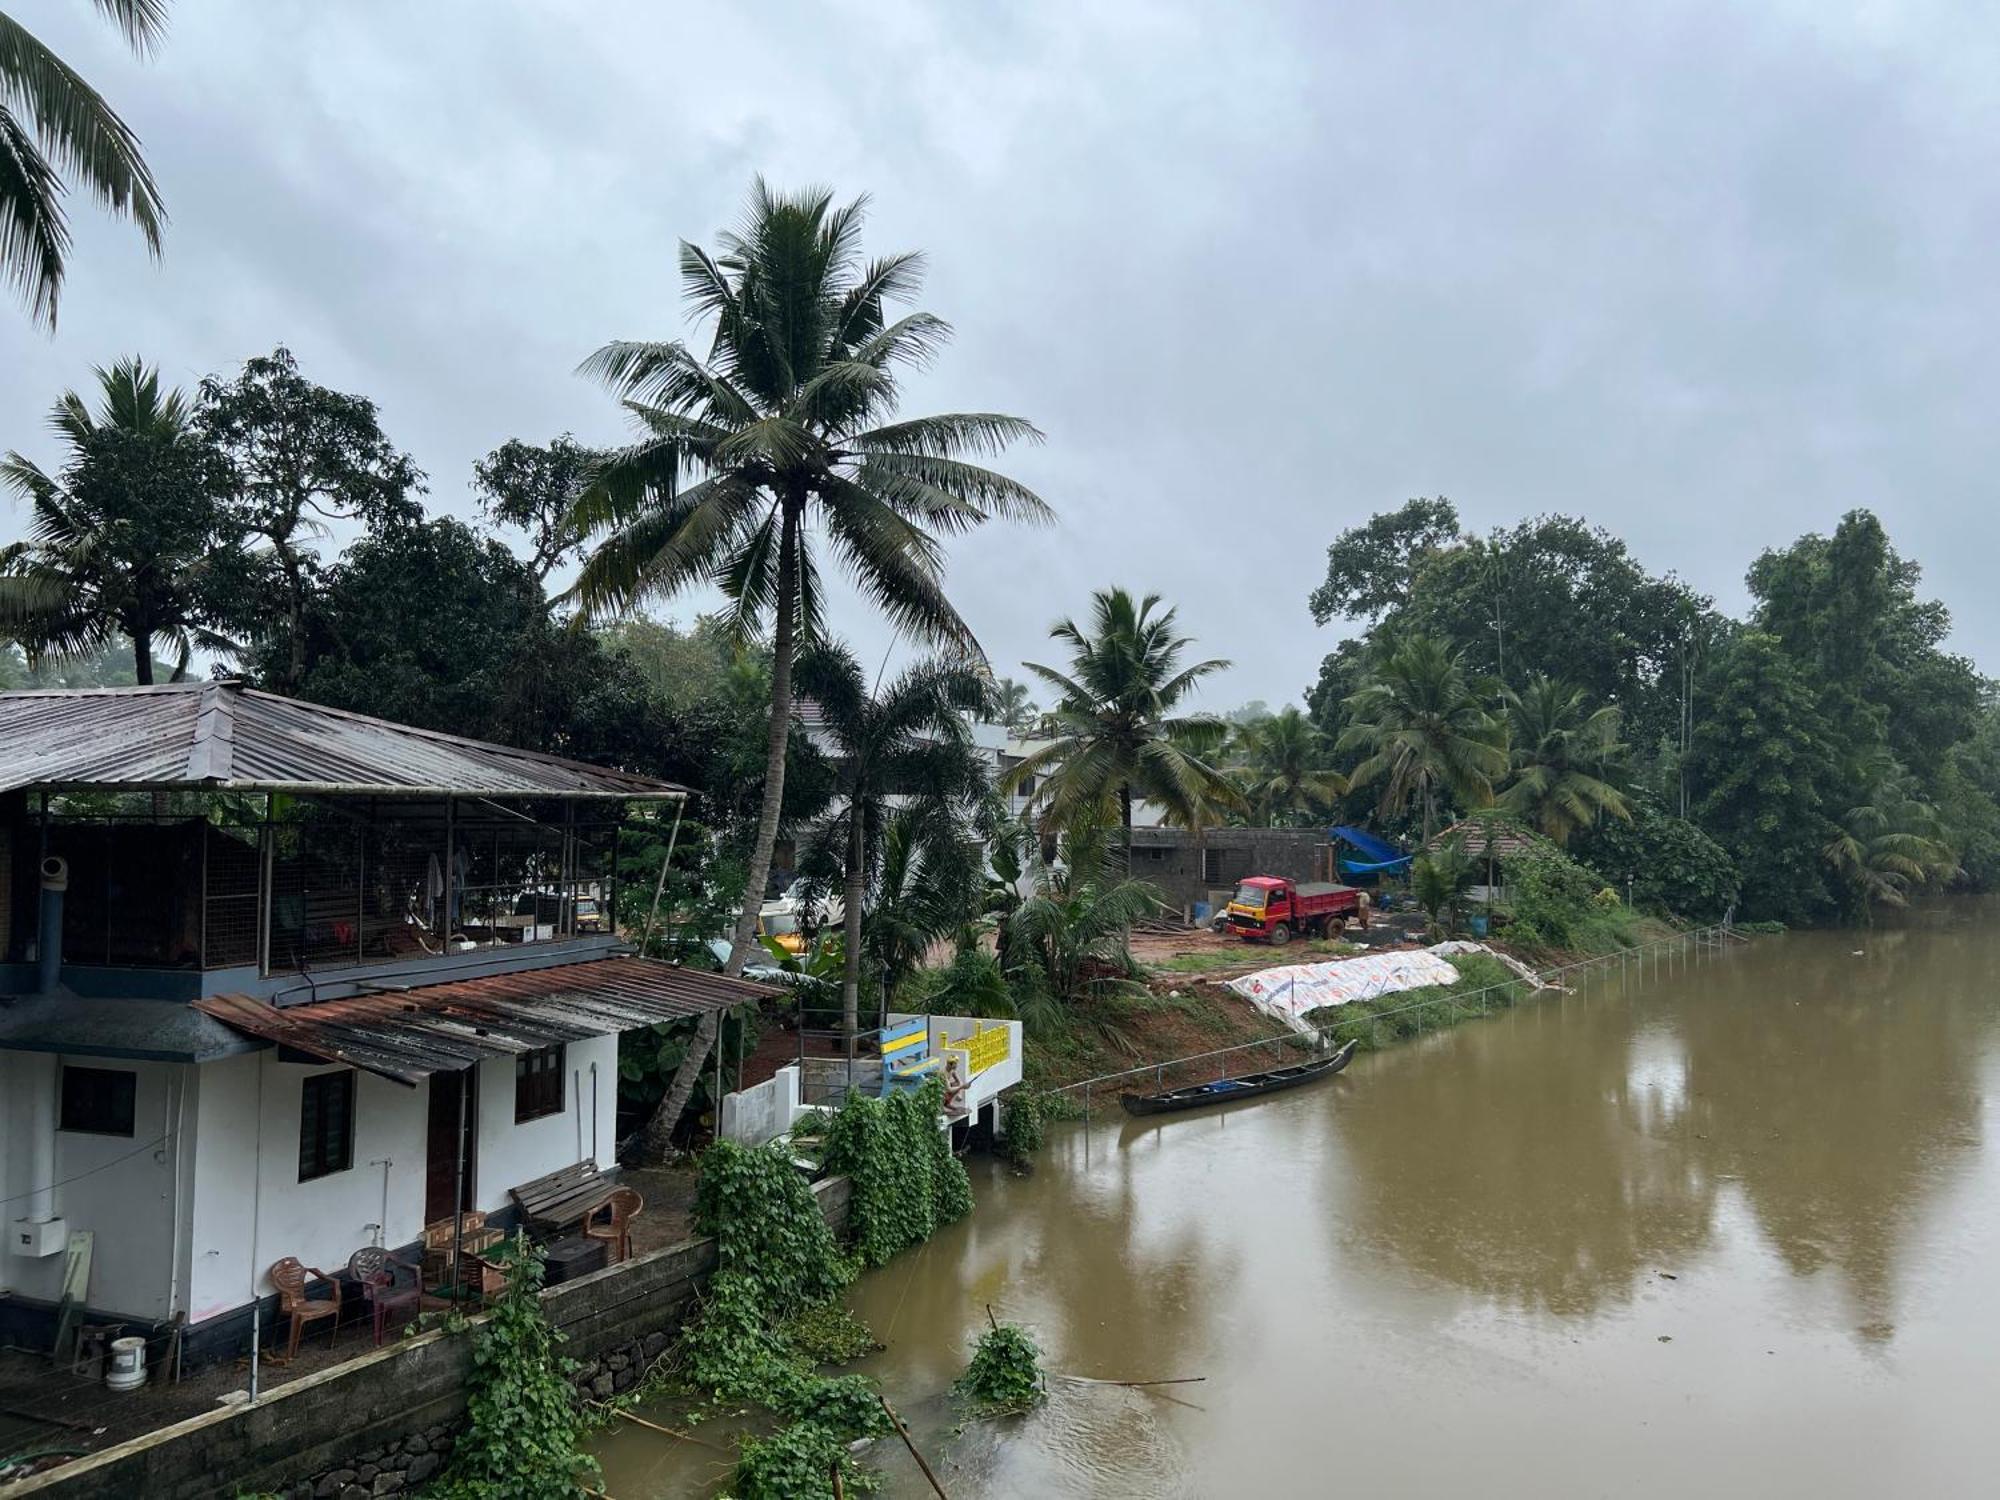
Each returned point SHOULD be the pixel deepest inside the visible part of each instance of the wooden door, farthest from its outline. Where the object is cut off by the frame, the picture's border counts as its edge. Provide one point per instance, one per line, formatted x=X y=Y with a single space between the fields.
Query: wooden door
x=441 y=1167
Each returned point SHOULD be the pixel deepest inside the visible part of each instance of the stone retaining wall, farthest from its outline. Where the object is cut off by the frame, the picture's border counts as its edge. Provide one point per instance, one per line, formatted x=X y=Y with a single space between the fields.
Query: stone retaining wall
x=385 y=1421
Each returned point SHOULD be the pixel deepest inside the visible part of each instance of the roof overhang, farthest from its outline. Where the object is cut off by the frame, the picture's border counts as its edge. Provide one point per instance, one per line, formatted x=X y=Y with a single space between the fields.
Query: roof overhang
x=408 y=1034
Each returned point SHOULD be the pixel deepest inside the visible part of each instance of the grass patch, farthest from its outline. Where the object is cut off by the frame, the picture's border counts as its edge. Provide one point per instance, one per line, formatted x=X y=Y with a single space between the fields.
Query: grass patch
x=1485 y=985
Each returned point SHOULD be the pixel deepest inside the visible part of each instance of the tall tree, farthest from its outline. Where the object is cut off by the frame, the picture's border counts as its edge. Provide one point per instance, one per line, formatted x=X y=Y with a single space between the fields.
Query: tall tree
x=1372 y=568
x=780 y=437
x=54 y=125
x=304 y=456
x=908 y=739
x=1767 y=762
x=129 y=538
x=1119 y=729
x=1566 y=758
x=1288 y=766
x=1890 y=845
x=534 y=489
x=1422 y=724
x=1012 y=708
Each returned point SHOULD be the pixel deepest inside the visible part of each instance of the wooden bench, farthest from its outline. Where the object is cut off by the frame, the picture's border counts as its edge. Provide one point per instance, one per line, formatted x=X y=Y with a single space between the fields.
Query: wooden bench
x=563 y=1198
x=907 y=1059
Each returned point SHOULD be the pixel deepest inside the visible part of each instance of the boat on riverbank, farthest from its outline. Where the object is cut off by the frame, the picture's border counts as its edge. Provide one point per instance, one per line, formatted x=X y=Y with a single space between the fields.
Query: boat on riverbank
x=1247 y=1086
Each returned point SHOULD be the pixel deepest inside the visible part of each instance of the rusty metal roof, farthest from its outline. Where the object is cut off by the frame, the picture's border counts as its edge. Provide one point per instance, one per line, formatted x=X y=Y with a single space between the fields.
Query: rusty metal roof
x=225 y=736
x=409 y=1034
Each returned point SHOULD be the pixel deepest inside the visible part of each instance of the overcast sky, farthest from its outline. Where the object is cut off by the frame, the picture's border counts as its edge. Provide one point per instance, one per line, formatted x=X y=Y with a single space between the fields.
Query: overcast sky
x=1706 y=274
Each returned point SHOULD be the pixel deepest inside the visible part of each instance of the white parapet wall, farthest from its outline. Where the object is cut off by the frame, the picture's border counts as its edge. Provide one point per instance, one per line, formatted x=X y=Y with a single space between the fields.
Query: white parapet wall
x=764 y=1111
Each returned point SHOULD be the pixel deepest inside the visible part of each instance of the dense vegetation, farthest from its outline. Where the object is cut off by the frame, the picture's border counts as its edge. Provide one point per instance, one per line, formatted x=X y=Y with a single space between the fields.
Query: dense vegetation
x=1825 y=756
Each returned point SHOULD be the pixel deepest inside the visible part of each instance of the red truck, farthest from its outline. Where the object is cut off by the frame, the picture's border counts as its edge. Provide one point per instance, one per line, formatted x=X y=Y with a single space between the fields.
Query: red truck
x=1273 y=908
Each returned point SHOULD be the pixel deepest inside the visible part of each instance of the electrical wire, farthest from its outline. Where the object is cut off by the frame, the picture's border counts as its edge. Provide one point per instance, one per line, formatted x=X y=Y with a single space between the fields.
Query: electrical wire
x=104 y=1167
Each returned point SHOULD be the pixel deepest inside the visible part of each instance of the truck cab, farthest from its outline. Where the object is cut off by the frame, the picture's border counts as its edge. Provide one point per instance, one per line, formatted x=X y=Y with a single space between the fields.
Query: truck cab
x=1272 y=908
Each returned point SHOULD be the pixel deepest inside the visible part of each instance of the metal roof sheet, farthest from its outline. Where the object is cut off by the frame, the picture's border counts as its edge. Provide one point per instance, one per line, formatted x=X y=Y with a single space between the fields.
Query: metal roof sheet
x=229 y=737
x=407 y=1035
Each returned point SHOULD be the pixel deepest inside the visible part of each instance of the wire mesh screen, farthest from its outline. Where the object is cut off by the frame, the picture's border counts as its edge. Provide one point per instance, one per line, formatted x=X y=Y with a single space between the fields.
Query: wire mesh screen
x=230 y=879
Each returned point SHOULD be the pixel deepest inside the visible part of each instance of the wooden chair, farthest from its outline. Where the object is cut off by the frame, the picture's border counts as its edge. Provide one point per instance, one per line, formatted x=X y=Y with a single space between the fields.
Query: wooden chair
x=382 y=1277
x=295 y=1300
x=624 y=1205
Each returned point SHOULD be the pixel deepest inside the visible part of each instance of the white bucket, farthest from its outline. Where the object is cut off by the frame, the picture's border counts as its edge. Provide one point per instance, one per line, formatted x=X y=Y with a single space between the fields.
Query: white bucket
x=128 y=1364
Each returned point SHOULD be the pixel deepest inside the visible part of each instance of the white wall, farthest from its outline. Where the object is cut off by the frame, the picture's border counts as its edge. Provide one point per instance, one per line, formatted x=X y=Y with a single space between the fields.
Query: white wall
x=246 y=1215
x=511 y=1154
x=120 y=1188
x=238 y=1216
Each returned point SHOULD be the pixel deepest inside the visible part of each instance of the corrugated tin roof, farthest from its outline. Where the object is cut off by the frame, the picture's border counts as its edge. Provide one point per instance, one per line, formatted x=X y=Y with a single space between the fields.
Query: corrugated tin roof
x=229 y=737
x=409 y=1034
x=1474 y=834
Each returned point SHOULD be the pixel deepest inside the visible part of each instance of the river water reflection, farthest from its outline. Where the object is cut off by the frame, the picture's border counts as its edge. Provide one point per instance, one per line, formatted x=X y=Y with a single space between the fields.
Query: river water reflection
x=1730 y=1229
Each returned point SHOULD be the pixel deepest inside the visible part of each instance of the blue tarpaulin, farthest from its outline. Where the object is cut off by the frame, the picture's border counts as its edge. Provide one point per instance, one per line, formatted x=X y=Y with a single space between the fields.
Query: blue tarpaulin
x=1382 y=857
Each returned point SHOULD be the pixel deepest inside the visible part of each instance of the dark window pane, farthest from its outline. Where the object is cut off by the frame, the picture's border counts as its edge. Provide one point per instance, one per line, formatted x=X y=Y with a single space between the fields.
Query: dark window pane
x=98 y=1101
x=538 y=1084
x=326 y=1125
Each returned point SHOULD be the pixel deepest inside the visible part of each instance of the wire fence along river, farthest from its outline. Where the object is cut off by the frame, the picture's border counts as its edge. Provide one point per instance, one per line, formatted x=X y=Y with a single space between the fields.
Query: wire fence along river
x=1644 y=960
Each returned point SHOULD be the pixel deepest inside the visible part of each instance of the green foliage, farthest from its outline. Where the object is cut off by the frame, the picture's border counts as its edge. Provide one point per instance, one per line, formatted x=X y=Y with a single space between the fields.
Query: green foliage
x=768 y=1228
x=1554 y=903
x=1486 y=985
x=796 y=1463
x=1765 y=756
x=523 y=1428
x=534 y=489
x=1437 y=879
x=1566 y=758
x=1023 y=1125
x=904 y=1179
x=827 y=1334
x=53 y=124
x=1119 y=729
x=1673 y=866
x=132 y=538
x=971 y=984
x=1421 y=723
x=1287 y=768
x=1005 y=1373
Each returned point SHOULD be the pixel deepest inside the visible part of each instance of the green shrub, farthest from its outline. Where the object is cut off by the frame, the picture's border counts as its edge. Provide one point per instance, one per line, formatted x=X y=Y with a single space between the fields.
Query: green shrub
x=904 y=1180
x=768 y=1227
x=1674 y=866
x=797 y=1463
x=972 y=984
x=523 y=1433
x=828 y=1335
x=1005 y=1373
x=1022 y=1126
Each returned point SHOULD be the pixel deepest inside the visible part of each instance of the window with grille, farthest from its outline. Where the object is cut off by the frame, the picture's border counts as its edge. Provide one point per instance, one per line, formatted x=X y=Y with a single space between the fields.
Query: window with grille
x=98 y=1101
x=538 y=1084
x=326 y=1125
x=1211 y=866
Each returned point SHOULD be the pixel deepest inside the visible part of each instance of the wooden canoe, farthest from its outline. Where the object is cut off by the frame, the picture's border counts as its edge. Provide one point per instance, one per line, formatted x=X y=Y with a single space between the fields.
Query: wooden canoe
x=1228 y=1090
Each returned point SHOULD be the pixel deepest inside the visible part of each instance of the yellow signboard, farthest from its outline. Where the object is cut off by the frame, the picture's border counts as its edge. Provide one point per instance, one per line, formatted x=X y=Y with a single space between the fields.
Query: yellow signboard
x=989 y=1045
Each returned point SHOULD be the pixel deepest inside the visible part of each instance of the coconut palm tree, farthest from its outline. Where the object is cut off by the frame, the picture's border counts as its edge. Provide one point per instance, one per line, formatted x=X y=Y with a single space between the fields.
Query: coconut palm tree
x=906 y=742
x=1564 y=759
x=1012 y=709
x=1285 y=767
x=1421 y=723
x=128 y=538
x=777 y=445
x=54 y=126
x=1890 y=845
x=1118 y=733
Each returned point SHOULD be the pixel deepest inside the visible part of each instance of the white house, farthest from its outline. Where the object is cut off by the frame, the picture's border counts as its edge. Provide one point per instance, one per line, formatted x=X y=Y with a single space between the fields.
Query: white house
x=278 y=980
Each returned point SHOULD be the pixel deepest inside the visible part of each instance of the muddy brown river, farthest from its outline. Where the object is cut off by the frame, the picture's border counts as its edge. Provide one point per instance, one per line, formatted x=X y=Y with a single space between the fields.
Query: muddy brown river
x=1733 y=1228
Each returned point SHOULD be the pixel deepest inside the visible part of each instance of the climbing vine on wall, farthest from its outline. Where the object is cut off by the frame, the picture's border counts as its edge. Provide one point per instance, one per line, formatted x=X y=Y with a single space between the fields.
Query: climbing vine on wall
x=905 y=1180
x=523 y=1431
